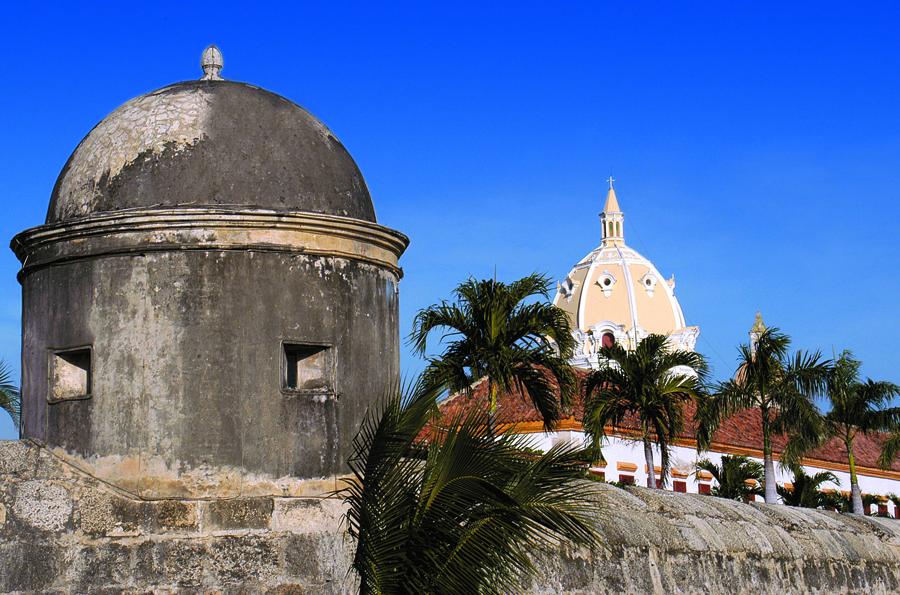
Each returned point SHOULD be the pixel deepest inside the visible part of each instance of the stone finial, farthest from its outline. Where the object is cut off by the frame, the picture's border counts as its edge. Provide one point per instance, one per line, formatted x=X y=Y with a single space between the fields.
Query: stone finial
x=211 y=62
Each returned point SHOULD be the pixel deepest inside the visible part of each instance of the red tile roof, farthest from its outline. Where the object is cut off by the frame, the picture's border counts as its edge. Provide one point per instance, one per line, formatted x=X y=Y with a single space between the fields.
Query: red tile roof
x=739 y=434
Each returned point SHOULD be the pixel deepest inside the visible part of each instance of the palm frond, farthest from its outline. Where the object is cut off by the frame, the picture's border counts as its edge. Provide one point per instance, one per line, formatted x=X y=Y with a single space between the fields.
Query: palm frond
x=541 y=392
x=876 y=396
x=443 y=315
x=801 y=420
x=490 y=331
x=463 y=512
x=889 y=451
x=10 y=397
x=736 y=477
x=534 y=284
x=807 y=373
x=806 y=489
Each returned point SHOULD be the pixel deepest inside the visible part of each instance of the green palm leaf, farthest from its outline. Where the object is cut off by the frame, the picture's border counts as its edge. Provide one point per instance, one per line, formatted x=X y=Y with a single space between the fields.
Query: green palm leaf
x=733 y=477
x=806 y=489
x=492 y=332
x=10 y=397
x=462 y=513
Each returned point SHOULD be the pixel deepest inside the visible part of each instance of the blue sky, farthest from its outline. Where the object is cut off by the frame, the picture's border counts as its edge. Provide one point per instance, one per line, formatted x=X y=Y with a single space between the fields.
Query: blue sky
x=756 y=148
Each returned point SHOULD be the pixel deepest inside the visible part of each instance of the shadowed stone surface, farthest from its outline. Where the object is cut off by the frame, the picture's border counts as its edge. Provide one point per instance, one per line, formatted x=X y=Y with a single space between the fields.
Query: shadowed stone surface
x=656 y=542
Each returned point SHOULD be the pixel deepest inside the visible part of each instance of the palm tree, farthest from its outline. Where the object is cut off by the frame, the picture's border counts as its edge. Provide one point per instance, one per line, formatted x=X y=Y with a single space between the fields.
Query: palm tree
x=780 y=387
x=805 y=491
x=833 y=499
x=498 y=336
x=462 y=511
x=10 y=398
x=737 y=478
x=856 y=407
x=652 y=383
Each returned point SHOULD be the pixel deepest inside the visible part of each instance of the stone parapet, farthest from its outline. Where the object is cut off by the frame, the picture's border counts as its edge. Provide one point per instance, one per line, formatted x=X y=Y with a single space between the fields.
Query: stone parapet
x=664 y=542
x=63 y=531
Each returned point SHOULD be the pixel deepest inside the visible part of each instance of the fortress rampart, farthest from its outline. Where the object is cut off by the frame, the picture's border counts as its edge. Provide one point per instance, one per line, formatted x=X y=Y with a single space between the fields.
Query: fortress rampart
x=63 y=531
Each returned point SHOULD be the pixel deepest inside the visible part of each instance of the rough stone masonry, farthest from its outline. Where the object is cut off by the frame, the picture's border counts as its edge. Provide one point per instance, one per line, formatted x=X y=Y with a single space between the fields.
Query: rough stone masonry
x=63 y=531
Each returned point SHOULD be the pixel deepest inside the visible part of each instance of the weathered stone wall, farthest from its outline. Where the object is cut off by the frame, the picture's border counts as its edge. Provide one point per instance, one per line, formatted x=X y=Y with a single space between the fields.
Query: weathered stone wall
x=188 y=366
x=62 y=531
x=663 y=542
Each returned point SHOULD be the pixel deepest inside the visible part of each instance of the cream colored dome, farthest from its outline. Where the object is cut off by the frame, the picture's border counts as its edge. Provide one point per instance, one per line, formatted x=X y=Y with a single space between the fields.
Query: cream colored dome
x=617 y=292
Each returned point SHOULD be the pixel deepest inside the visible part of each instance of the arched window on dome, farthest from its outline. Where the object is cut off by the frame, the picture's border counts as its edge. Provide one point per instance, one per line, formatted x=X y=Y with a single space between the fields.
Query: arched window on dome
x=607 y=340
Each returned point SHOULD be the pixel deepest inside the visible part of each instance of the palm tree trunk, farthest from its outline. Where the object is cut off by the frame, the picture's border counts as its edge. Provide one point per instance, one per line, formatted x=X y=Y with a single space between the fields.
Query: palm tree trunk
x=492 y=391
x=855 y=493
x=771 y=494
x=651 y=474
x=492 y=408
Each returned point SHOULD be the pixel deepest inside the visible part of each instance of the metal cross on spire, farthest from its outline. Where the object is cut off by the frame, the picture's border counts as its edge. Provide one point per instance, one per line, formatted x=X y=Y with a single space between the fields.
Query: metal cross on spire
x=611 y=180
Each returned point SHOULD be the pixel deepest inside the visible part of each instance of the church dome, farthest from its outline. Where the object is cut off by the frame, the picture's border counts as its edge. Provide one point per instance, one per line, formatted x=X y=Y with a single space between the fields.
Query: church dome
x=614 y=294
x=210 y=143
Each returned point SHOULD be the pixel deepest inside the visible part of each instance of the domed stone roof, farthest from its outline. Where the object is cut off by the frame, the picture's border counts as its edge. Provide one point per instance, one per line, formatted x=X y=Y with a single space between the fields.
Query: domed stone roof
x=210 y=143
x=616 y=291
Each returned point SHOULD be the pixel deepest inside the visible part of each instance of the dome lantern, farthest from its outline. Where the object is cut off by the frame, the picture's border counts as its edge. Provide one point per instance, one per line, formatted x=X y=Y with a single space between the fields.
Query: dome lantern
x=612 y=220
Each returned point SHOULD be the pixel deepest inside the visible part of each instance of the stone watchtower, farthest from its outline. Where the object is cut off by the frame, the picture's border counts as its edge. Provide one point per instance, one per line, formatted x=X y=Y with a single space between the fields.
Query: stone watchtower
x=210 y=305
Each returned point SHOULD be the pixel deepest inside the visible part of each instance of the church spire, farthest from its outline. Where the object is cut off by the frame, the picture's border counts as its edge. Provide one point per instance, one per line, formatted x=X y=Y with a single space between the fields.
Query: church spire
x=756 y=331
x=612 y=219
x=759 y=326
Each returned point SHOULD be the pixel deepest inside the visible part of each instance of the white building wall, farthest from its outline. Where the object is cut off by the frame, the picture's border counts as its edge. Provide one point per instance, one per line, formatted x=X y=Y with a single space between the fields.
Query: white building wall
x=619 y=450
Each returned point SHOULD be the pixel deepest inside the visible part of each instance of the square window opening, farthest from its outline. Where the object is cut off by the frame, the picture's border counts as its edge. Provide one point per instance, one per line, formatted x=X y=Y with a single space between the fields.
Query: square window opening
x=70 y=374
x=679 y=486
x=307 y=368
x=704 y=488
x=627 y=479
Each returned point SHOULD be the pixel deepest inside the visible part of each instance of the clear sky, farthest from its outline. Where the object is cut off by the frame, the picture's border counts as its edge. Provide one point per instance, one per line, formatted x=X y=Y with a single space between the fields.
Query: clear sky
x=756 y=148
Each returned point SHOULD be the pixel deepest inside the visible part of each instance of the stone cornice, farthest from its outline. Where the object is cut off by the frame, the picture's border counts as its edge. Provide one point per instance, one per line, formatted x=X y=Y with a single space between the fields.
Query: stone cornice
x=192 y=228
